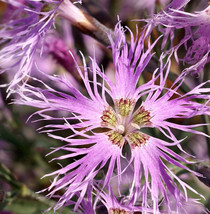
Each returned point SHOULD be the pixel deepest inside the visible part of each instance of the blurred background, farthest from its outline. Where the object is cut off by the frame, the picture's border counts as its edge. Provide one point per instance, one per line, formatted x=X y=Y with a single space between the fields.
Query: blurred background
x=23 y=149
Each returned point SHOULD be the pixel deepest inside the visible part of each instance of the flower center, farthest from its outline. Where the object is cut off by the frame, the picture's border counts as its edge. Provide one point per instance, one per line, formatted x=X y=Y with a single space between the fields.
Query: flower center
x=109 y=118
x=136 y=139
x=116 y=138
x=124 y=106
x=142 y=117
x=125 y=123
x=118 y=211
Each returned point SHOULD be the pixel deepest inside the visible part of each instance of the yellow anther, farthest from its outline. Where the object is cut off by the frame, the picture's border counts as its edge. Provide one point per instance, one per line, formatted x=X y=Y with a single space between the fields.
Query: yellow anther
x=118 y=211
x=109 y=118
x=116 y=138
x=142 y=117
x=136 y=139
x=124 y=106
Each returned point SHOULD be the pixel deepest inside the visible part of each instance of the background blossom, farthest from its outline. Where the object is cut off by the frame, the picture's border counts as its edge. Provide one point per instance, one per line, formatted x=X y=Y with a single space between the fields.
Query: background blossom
x=195 y=41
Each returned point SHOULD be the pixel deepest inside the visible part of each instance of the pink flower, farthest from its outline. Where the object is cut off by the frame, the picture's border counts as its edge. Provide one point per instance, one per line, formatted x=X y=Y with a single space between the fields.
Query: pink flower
x=108 y=116
x=196 y=26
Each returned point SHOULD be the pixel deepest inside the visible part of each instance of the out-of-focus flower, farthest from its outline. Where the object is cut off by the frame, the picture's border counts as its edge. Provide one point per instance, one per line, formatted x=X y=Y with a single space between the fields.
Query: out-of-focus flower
x=124 y=205
x=25 y=33
x=112 y=115
x=135 y=6
x=20 y=38
x=196 y=39
x=128 y=10
x=192 y=207
x=106 y=202
x=56 y=48
x=200 y=150
x=11 y=11
x=85 y=205
x=75 y=16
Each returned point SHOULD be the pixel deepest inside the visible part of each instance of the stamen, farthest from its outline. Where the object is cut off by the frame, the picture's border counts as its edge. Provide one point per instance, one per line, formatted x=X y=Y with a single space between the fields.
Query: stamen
x=109 y=118
x=137 y=139
x=118 y=211
x=142 y=117
x=116 y=138
x=124 y=106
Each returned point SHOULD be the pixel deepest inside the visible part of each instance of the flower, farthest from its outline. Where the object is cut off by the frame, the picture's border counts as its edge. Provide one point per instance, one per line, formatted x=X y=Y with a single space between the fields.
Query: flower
x=23 y=36
x=115 y=206
x=136 y=7
x=196 y=25
x=128 y=10
x=58 y=49
x=76 y=17
x=100 y=122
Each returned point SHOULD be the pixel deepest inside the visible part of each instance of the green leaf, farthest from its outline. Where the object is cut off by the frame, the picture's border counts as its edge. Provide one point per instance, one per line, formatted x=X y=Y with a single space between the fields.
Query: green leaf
x=29 y=205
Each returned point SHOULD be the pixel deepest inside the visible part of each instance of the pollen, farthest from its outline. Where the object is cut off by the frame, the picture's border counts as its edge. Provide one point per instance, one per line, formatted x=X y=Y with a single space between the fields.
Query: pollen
x=124 y=106
x=142 y=117
x=118 y=211
x=137 y=139
x=109 y=118
x=116 y=138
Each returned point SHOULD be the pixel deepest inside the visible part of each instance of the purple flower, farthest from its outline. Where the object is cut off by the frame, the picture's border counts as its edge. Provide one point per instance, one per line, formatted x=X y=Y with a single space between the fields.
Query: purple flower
x=102 y=120
x=23 y=36
x=137 y=7
x=57 y=48
x=127 y=10
x=124 y=205
x=196 y=25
